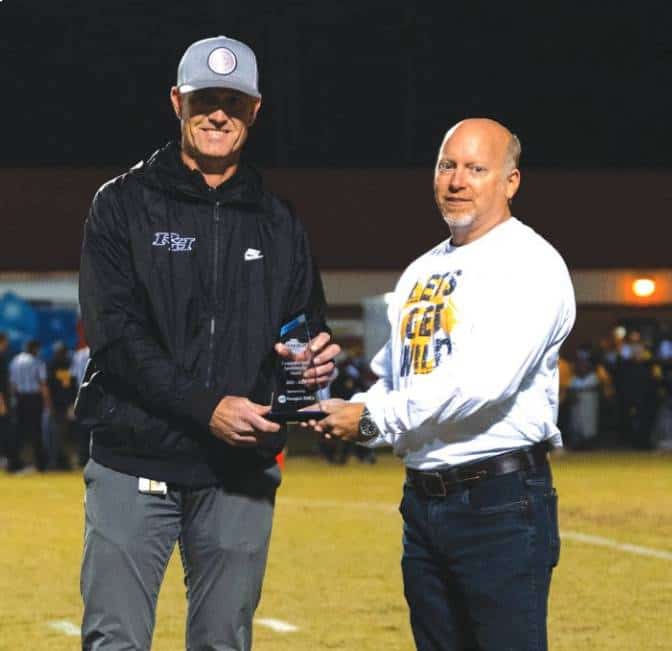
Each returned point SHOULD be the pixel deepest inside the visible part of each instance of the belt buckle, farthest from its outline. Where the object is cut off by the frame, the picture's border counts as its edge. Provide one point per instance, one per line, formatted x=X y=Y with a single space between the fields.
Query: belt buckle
x=431 y=480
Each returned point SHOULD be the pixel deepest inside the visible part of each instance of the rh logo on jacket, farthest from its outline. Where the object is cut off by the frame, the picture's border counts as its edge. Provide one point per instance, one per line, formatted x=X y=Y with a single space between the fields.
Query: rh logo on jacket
x=174 y=241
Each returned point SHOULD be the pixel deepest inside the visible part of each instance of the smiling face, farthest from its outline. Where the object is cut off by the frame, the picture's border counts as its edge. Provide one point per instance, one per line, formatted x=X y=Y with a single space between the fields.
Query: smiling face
x=214 y=124
x=475 y=178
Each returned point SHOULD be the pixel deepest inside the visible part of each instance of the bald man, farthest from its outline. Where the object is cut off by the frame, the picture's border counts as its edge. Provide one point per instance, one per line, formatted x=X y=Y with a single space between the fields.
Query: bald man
x=468 y=397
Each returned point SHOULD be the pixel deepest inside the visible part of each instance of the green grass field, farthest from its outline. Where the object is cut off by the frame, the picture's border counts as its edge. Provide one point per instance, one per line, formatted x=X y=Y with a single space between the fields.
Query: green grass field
x=334 y=562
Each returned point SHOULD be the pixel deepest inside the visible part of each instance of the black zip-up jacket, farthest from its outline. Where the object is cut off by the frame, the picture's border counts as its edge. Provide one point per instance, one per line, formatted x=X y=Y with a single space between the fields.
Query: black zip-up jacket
x=183 y=290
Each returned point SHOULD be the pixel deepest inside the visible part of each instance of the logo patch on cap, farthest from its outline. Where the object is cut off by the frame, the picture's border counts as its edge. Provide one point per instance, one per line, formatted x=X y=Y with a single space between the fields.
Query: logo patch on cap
x=222 y=61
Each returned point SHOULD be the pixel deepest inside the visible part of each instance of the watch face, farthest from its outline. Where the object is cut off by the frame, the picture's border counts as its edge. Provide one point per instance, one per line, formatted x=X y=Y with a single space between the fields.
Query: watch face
x=367 y=428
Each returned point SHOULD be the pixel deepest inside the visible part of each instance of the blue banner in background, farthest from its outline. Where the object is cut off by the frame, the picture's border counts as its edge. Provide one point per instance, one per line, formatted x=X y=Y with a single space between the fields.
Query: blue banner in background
x=56 y=324
x=18 y=320
x=22 y=321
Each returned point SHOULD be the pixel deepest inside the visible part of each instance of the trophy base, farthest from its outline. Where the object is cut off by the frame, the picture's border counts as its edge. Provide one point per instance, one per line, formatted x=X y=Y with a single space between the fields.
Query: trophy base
x=284 y=417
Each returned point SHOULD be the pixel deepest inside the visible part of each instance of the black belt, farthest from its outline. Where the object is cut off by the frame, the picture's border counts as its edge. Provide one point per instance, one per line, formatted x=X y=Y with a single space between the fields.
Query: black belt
x=439 y=483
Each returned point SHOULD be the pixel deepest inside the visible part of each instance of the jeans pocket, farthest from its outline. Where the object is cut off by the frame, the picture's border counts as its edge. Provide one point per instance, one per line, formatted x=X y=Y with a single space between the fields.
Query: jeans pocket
x=504 y=494
x=536 y=483
x=519 y=506
x=405 y=496
x=553 y=527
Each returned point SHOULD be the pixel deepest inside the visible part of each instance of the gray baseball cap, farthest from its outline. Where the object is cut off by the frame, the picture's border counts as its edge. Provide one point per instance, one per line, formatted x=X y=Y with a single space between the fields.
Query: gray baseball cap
x=218 y=62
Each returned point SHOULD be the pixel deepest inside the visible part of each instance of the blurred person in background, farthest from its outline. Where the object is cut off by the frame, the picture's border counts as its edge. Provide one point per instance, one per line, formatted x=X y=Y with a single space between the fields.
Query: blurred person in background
x=584 y=402
x=6 y=447
x=664 y=346
x=28 y=379
x=62 y=391
x=564 y=378
x=632 y=346
x=610 y=360
x=662 y=429
x=611 y=348
x=661 y=438
x=189 y=269
x=607 y=359
x=468 y=397
x=80 y=359
x=636 y=381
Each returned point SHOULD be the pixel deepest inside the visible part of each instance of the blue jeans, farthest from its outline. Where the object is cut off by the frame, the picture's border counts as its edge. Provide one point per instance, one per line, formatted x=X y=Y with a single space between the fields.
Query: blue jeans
x=477 y=563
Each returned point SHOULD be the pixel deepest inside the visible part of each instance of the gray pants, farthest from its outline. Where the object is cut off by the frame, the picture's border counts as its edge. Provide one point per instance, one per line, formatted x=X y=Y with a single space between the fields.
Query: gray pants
x=223 y=535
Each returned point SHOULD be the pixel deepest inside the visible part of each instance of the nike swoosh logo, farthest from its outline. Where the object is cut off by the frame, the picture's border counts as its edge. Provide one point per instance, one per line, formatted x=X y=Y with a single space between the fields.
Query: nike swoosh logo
x=253 y=254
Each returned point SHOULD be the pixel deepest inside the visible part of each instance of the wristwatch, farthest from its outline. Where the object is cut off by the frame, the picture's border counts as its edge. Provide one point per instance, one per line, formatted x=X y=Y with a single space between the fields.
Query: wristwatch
x=367 y=427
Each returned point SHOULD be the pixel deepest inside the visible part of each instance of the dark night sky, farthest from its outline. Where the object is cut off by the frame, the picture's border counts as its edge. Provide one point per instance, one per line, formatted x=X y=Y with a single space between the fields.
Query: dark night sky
x=584 y=84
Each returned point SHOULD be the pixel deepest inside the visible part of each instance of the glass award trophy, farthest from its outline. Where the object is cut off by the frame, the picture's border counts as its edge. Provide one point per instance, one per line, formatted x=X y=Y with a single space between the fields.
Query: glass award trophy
x=291 y=395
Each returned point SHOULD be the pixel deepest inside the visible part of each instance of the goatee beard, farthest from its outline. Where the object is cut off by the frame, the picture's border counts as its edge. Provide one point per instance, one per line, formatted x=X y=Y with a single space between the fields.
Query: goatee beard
x=454 y=222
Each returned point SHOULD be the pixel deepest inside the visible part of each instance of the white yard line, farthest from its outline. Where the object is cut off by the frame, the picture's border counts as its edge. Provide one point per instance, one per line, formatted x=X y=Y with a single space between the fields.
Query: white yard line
x=66 y=627
x=576 y=536
x=615 y=544
x=276 y=625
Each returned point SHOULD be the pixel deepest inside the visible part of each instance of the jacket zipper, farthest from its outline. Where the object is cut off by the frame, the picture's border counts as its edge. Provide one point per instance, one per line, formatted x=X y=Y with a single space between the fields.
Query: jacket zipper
x=213 y=318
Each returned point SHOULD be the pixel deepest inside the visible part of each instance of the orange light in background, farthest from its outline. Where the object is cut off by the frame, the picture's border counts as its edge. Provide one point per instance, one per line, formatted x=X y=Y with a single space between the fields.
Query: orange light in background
x=643 y=287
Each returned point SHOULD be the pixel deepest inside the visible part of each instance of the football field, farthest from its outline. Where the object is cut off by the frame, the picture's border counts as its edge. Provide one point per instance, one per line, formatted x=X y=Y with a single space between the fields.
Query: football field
x=333 y=579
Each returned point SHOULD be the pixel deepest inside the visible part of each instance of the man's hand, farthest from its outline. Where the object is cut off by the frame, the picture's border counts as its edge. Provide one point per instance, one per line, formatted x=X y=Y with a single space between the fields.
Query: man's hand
x=321 y=370
x=240 y=422
x=343 y=419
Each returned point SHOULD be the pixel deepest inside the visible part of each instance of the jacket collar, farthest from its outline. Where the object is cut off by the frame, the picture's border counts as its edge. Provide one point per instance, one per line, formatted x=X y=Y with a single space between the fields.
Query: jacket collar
x=165 y=170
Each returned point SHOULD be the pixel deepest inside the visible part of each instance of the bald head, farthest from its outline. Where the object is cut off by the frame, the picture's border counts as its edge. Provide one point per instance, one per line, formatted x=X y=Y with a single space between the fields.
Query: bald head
x=503 y=142
x=476 y=177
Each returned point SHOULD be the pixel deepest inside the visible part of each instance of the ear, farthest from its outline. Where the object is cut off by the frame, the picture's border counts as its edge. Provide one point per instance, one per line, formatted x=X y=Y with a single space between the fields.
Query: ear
x=176 y=101
x=256 y=105
x=512 y=184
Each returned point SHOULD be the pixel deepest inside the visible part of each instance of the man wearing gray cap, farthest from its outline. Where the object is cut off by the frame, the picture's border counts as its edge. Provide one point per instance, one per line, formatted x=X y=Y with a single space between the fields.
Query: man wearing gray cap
x=189 y=269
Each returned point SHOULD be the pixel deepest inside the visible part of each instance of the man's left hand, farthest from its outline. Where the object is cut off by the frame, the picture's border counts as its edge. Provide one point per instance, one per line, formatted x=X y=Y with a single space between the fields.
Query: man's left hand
x=321 y=370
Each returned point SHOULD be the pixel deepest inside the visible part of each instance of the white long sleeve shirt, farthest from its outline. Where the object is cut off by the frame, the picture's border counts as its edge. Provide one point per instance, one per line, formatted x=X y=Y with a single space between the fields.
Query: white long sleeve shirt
x=27 y=373
x=471 y=366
